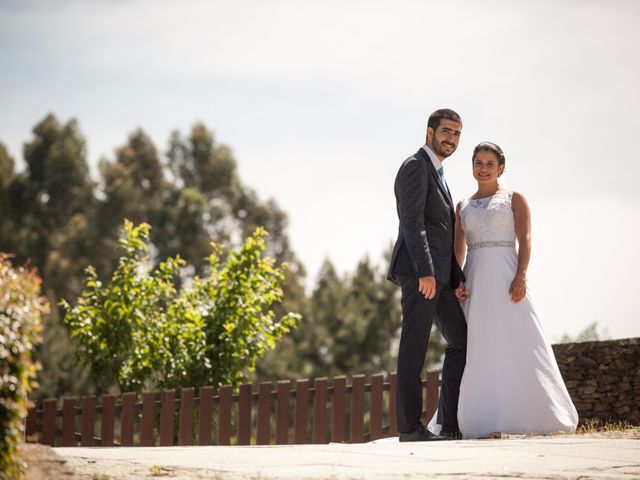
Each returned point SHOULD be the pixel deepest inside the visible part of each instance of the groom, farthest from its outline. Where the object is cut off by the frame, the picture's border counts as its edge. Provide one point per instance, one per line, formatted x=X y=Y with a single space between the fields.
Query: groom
x=423 y=264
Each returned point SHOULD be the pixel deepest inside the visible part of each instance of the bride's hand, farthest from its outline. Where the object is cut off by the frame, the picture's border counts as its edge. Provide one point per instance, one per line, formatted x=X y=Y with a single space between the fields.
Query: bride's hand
x=518 y=289
x=461 y=293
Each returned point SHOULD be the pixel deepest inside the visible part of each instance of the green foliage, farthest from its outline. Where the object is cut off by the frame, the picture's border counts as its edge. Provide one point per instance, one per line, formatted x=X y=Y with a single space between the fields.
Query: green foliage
x=50 y=206
x=21 y=307
x=57 y=218
x=148 y=328
x=7 y=227
x=48 y=222
x=350 y=325
x=59 y=372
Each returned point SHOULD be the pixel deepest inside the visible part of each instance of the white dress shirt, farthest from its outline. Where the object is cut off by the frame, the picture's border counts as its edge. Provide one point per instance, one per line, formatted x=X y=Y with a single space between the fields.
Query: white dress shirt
x=434 y=158
x=436 y=163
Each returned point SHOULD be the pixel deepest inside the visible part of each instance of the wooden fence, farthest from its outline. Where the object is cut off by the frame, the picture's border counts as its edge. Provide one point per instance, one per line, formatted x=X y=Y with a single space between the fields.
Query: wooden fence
x=296 y=412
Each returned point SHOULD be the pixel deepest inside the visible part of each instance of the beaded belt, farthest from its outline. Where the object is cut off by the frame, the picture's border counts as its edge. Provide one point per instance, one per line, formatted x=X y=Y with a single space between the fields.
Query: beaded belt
x=492 y=243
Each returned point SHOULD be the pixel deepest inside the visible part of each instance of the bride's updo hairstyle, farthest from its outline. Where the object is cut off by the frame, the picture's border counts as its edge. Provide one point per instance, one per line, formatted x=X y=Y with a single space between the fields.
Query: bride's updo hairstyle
x=489 y=147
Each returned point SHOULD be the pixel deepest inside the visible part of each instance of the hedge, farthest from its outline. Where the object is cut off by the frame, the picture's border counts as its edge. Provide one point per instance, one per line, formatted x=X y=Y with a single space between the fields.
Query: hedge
x=21 y=309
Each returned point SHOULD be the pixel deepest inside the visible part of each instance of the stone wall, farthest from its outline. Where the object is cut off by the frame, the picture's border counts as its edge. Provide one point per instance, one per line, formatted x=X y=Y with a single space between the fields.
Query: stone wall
x=603 y=378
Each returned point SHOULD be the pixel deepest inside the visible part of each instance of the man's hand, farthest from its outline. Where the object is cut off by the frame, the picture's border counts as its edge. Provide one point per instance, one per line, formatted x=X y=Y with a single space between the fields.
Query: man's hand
x=461 y=293
x=427 y=286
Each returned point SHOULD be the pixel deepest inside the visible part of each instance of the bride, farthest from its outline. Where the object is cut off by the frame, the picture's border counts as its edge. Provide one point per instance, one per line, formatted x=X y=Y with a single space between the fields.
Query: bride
x=511 y=382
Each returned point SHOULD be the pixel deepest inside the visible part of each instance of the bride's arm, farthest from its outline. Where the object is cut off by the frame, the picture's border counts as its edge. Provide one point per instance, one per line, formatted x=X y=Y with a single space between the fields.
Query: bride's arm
x=459 y=240
x=522 y=218
x=460 y=250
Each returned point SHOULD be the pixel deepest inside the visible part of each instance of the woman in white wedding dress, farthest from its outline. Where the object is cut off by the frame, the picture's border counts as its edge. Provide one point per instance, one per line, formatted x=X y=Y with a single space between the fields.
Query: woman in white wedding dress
x=511 y=383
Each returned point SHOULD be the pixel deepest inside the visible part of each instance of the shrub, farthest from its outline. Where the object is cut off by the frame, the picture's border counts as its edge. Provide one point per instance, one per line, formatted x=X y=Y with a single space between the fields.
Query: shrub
x=152 y=328
x=21 y=308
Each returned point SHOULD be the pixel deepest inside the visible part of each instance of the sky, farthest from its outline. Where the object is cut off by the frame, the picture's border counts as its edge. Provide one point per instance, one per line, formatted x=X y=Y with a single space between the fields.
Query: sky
x=321 y=102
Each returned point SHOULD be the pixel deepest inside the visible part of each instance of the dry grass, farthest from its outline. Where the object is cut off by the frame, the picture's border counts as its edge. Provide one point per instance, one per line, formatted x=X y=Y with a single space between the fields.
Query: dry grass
x=596 y=428
x=595 y=425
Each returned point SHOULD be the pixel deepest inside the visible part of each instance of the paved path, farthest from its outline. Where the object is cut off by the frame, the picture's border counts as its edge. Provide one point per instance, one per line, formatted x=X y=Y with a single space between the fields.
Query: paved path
x=532 y=458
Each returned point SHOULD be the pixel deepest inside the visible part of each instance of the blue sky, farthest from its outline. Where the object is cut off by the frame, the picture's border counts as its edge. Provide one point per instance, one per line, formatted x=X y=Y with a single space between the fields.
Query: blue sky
x=321 y=101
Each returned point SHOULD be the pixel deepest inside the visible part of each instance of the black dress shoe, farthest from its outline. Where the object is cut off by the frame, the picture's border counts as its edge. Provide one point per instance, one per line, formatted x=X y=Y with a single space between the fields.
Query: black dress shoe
x=420 y=434
x=451 y=434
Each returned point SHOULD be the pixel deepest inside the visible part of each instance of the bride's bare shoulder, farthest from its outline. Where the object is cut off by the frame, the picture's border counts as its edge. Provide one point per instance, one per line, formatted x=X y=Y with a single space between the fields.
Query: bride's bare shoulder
x=517 y=194
x=518 y=200
x=461 y=204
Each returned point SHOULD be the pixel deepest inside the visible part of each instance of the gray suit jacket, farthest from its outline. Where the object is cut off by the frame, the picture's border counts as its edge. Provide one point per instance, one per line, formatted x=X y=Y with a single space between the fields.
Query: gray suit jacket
x=427 y=219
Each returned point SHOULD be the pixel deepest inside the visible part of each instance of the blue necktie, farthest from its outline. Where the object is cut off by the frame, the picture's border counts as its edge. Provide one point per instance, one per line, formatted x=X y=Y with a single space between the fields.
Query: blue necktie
x=441 y=175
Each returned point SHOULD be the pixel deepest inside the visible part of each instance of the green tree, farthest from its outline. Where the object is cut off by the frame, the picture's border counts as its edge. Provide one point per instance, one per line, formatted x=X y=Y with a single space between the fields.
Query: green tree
x=60 y=374
x=351 y=324
x=360 y=317
x=7 y=226
x=141 y=330
x=48 y=224
x=133 y=186
x=58 y=219
x=51 y=205
x=209 y=200
x=233 y=210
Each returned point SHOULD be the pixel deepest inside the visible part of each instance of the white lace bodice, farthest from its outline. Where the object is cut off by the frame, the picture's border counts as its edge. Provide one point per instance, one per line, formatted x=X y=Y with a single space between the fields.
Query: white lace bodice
x=488 y=222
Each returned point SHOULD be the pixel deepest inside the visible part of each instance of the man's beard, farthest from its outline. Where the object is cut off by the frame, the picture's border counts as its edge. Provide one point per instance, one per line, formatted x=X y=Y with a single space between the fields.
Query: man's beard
x=438 y=149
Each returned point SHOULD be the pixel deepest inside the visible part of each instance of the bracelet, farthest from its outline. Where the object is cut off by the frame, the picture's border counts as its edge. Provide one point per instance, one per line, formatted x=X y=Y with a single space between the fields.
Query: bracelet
x=521 y=277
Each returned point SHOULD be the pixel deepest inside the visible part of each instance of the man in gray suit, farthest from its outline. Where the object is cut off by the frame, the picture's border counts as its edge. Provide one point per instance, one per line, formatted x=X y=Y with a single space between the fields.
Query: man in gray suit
x=424 y=265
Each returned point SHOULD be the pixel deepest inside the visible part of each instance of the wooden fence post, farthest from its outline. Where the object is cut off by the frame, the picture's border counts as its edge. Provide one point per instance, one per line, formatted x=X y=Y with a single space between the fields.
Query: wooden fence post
x=30 y=428
x=224 y=415
x=302 y=410
x=108 y=420
x=88 y=407
x=320 y=411
x=49 y=407
x=244 y=415
x=393 y=422
x=205 y=415
x=167 y=411
x=357 y=409
x=375 y=414
x=264 y=413
x=68 y=421
x=338 y=410
x=282 y=412
x=185 y=436
x=148 y=419
x=127 y=419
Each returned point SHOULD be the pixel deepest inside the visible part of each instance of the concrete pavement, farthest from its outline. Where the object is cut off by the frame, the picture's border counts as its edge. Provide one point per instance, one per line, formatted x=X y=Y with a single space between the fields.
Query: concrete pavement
x=536 y=458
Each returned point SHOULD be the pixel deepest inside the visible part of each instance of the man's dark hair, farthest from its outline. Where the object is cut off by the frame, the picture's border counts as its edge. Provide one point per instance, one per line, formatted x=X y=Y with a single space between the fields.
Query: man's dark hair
x=437 y=116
